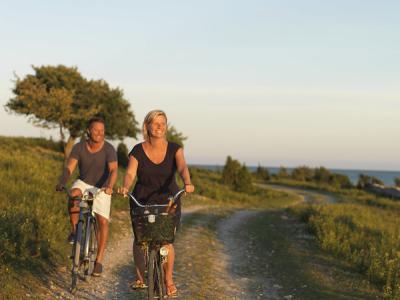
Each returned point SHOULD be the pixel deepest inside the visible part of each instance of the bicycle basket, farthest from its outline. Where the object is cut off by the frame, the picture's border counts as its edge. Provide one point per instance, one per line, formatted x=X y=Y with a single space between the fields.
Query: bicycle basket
x=162 y=230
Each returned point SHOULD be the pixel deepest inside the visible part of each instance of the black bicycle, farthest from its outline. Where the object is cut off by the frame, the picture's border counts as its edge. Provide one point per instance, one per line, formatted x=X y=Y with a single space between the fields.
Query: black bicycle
x=84 y=248
x=154 y=226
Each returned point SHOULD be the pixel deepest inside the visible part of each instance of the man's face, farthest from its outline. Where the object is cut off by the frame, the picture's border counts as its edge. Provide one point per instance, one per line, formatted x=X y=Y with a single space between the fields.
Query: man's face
x=96 y=132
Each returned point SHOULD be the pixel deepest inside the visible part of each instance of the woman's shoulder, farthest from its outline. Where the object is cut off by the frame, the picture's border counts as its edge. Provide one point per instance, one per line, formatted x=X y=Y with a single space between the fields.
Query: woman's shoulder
x=173 y=147
x=136 y=149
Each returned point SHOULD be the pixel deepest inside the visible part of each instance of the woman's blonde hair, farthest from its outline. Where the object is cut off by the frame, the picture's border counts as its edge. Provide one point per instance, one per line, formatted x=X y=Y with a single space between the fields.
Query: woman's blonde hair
x=148 y=119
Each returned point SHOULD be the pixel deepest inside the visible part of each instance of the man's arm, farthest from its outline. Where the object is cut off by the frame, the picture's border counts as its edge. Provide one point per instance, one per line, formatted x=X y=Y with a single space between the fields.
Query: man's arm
x=68 y=170
x=112 y=178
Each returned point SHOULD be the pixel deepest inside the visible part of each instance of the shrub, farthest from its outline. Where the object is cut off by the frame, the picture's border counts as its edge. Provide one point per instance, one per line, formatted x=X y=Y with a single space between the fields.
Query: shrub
x=122 y=153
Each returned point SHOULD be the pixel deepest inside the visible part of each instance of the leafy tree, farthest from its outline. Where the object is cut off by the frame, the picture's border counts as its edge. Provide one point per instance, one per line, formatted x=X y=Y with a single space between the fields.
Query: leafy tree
x=230 y=171
x=60 y=97
x=397 y=181
x=303 y=173
x=366 y=181
x=282 y=173
x=262 y=173
x=340 y=180
x=236 y=175
x=174 y=136
x=322 y=174
x=122 y=152
x=243 y=182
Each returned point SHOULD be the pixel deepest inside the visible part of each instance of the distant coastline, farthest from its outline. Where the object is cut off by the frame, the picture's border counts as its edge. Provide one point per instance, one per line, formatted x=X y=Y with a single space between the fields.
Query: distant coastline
x=386 y=176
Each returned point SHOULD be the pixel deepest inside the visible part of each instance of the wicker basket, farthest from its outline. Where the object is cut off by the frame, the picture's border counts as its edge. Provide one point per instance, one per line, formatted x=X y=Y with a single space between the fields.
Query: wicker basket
x=162 y=230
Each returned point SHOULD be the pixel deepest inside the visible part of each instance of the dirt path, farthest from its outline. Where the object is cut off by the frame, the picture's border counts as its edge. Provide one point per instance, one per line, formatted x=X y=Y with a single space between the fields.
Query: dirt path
x=212 y=262
x=117 y=274
x=307 y=195
x=245 y=277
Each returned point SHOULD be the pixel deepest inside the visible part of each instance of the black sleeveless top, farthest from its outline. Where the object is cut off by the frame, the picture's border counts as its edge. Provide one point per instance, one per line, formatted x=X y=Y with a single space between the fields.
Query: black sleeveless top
x=155 y=182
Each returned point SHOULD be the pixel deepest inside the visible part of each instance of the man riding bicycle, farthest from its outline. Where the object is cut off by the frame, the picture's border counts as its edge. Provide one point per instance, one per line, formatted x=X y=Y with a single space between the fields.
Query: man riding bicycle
x=98 y=168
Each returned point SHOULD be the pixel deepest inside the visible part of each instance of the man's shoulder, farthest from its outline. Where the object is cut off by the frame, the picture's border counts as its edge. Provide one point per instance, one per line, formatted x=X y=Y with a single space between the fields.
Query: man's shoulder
x=78 y=147
x=108 y=146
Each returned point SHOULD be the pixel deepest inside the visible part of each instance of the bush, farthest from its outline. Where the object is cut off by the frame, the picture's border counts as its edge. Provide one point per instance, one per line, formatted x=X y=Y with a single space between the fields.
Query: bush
x=262 y=173
x=397 y=181
x=303 y=173
x=122 y=153
x=365 y=181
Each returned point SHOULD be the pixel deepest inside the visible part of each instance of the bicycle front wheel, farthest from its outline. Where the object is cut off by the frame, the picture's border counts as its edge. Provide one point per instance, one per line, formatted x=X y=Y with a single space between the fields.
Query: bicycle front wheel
x=154 y=276
x=92 y=245
x=76 y=260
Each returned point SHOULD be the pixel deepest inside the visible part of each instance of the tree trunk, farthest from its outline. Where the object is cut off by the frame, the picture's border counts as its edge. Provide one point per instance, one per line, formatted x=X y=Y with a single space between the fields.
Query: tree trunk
x=68 y=148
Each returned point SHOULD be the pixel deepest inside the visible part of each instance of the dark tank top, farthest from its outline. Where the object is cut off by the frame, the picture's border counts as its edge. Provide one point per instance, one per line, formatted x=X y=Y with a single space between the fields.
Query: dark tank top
x=155 y=182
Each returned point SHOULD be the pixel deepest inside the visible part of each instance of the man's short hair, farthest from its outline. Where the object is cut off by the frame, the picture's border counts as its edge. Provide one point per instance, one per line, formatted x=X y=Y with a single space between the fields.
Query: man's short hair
x=94 y=120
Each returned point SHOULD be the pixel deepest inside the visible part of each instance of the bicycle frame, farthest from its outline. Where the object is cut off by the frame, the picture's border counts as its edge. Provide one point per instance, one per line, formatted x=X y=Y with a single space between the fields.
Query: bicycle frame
x=85 y=243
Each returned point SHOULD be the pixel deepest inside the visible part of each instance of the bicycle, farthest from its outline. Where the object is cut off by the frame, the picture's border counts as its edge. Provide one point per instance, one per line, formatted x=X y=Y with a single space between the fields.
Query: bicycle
x=84 y=248
x=154 y=226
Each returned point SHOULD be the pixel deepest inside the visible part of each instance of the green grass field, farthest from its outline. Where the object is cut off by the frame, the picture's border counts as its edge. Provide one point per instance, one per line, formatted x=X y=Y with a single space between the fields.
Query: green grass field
x=34 y=222
x=362 y=229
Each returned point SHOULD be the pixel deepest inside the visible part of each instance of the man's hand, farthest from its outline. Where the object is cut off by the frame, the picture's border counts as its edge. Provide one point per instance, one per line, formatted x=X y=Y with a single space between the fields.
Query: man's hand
x=60 y=187
x=123 y=191
x=108 y=190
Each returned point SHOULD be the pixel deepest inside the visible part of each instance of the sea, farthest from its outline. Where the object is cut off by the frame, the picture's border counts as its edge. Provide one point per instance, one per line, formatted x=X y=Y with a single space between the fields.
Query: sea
x=387 y=177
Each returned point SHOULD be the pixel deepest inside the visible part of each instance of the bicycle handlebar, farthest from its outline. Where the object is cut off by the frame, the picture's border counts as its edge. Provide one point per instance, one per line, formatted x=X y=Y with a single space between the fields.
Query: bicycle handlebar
x=173 y=198
x=87 y=196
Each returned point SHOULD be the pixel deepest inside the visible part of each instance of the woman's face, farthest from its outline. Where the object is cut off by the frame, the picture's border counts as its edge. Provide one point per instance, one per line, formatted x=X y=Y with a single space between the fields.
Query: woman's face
x=158 y=127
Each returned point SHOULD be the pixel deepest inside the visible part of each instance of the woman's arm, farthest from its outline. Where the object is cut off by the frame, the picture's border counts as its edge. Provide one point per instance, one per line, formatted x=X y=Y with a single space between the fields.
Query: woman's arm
x=130 y=175
x=183 y=171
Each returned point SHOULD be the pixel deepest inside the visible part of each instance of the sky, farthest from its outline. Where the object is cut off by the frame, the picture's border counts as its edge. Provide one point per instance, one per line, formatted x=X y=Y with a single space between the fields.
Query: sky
x=274 y=83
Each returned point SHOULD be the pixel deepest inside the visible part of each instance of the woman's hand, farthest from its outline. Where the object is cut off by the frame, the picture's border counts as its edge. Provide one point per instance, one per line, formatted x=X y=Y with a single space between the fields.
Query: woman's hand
x=189 y=188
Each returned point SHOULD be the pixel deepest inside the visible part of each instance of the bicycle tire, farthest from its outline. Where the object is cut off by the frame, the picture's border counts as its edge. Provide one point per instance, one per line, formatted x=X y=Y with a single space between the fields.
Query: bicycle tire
x=92 y=245
x=158 y=278
x=151 y=273
x=86 y=254
x=162 y=278
x=76 y=256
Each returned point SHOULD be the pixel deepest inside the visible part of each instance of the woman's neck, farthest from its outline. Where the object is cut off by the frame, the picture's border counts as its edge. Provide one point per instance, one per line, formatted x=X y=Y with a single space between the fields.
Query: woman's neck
x=157 y=142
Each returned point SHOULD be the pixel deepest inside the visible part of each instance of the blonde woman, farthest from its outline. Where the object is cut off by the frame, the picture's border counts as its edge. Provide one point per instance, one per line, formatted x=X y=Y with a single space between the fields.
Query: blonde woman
x=155 y=162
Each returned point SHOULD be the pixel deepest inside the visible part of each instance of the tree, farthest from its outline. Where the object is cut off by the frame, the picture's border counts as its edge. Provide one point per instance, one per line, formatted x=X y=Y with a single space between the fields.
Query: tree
x=303 y=173
x=60 y=97
x=243 y=182
x=230 y=171
x=122 y=153
x=236 y=175
x=340 y=180
x=322 y=174
x=366 y=181
x=174 y=136
x=262 y=173
x=397 y=181
x=282 y=173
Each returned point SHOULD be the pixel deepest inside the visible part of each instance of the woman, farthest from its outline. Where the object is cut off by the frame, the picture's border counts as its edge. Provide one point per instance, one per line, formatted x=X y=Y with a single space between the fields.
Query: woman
x=155 y=162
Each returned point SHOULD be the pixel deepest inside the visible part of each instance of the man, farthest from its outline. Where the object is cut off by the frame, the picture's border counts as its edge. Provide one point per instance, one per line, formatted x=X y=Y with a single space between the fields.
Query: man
x=98 y=167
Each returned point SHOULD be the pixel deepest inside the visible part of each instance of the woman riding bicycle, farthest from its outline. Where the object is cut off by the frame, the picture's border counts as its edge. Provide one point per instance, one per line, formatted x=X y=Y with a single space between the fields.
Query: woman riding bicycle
x=155 y=162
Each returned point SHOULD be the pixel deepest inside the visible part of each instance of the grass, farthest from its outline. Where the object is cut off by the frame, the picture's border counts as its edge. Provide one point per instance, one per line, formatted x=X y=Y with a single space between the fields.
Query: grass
x=362 y=229
x=34 y=222
x=275 y=246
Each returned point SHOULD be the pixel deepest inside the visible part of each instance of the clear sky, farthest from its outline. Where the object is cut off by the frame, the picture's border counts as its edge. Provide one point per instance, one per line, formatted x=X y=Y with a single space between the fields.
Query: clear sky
x=269 y=82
